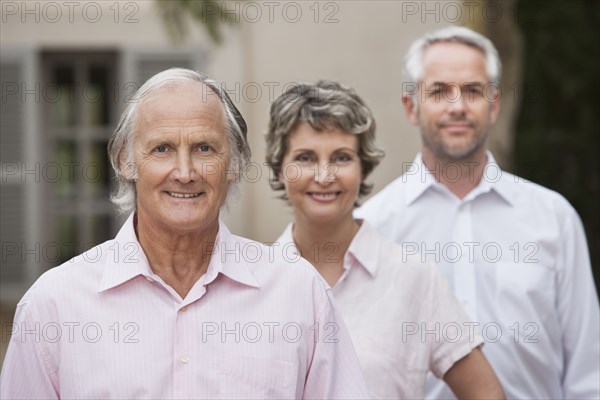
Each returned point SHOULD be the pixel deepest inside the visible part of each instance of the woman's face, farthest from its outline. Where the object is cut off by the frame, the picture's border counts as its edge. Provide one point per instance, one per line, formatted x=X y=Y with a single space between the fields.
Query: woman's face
x=322 y=174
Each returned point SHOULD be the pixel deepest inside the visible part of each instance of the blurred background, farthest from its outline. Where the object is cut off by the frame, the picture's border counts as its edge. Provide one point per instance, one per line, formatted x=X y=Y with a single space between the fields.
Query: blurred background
x=67 y=70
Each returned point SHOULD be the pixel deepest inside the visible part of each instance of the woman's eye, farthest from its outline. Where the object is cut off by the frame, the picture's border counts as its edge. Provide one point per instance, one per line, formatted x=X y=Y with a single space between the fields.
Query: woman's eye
x=303 y=158
x=343 y=158
x=204 y=148
x=161 y=149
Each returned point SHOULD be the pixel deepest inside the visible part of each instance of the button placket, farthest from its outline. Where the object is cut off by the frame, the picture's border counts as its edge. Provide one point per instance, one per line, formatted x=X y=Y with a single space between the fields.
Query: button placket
x=183 y=352
x=464 y=267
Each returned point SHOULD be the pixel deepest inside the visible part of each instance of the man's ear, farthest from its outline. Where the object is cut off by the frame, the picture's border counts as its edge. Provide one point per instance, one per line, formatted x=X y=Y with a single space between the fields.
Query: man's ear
x=410 y=108
x=495 y=107
x=127 y=169
x=231 y=175
x=234 y=172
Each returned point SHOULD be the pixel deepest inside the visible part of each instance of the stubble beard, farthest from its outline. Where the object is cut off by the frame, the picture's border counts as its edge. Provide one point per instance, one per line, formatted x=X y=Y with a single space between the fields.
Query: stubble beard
x=445 y=151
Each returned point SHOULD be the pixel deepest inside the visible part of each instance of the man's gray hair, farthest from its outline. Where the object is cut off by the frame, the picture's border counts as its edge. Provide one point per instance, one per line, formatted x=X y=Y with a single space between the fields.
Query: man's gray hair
x=120 y=146
x=413 y=61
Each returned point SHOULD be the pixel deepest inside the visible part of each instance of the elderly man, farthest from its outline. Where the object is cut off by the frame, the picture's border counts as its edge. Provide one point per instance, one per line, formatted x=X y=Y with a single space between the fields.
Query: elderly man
x=514 y=252
x=176 y=306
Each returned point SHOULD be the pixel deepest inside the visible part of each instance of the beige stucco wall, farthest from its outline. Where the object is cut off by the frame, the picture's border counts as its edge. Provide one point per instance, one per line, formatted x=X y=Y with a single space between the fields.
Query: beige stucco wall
x=359 y=43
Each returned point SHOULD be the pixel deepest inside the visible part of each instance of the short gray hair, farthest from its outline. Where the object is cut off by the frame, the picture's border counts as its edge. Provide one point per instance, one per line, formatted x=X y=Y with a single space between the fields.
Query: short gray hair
x=323 y=105
x=120 y=144
x=413 y=61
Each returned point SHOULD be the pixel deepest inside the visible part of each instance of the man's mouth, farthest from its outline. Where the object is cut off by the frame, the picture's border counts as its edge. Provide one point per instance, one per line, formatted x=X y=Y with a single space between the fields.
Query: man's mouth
x=184 y=195
x=458 y=125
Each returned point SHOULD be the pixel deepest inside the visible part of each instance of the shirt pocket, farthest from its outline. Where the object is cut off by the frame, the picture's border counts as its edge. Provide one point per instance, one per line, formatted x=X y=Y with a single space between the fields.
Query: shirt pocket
x=525 y=293
x=246 y=377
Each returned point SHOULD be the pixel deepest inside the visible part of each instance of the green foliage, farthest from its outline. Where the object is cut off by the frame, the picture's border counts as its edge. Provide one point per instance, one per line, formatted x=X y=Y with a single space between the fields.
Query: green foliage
x=558 y=131
x=211 y=14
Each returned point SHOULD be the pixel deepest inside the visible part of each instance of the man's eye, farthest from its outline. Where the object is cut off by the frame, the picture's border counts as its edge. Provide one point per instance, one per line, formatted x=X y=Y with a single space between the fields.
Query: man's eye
x=437 y=92
x=161 y=149
x=204 y=148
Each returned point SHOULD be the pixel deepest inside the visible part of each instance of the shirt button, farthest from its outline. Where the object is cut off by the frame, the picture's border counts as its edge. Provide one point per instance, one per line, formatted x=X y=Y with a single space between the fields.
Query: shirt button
x=185 y=359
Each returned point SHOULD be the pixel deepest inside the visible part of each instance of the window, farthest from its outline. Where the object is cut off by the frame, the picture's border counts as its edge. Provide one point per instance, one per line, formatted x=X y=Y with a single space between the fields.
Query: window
x=80 y=107
x=58 y=112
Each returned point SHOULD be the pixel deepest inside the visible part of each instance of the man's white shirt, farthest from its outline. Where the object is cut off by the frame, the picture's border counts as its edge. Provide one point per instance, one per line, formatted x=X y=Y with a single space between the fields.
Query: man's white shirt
x=515 y=254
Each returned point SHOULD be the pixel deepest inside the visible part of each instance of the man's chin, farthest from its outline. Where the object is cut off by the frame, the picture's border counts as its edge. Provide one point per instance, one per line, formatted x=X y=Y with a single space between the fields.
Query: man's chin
x=180 y=221
x=459 y=152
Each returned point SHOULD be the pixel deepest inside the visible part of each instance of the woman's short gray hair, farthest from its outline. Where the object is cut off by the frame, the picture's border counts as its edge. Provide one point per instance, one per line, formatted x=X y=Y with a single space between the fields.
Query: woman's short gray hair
x=120 y=149
x=324 y=105
x=413 y=61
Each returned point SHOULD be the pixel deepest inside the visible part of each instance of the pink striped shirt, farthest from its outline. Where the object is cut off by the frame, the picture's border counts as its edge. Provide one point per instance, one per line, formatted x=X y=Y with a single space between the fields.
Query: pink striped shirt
x=258 y=325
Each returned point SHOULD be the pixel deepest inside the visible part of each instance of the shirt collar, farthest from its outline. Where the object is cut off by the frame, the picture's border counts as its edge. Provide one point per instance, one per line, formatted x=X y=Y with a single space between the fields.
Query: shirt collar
x=497 y=179
x=229 y=257
x=126 y=259
x=364 y=248
x=287 y=237
x=418 y=180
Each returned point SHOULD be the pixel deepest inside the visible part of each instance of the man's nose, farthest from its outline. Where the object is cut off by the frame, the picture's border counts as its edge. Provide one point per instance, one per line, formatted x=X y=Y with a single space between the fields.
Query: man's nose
x=184 y=170
x=457 y=101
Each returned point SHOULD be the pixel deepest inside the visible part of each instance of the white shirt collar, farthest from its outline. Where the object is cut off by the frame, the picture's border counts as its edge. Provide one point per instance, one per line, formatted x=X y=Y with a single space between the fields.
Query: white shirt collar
x=418 y=180
x=129 y=259
x=363 y=248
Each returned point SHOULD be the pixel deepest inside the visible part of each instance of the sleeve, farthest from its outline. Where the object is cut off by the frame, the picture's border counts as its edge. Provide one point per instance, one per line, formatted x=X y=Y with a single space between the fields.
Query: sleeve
x=27 y=372
x=452 y=335
x=579 y=313
x=334 y=371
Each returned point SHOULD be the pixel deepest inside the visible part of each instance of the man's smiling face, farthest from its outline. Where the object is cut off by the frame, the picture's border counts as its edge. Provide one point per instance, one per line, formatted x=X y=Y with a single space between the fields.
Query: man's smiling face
x=182 y=153
x=457 y=109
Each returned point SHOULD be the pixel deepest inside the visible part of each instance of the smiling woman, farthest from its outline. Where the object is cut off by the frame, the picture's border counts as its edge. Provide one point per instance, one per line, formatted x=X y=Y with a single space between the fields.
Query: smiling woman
x=327 y=174
x=320 y=146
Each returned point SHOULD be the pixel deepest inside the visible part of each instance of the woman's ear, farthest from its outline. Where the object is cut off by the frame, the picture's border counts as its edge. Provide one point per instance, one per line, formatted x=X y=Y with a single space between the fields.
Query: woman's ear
x=281 y=179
